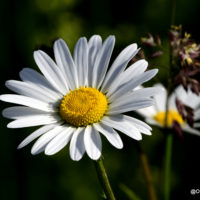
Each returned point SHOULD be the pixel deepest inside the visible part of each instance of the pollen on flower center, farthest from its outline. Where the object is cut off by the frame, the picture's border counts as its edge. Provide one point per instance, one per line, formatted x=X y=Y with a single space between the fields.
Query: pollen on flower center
x=83 y=106
x=172 y=116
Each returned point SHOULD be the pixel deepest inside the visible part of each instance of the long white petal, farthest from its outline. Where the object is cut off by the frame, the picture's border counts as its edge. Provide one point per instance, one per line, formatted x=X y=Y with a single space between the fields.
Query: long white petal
x=31 y=90
x=123 y=89
x=36 y=134
x=188 y=97
x=65 y=63
x=153 y=122
x=60 y=141
x=130 y=73
x=141 y=126
x=102 y=61
x=92 y=142
x=77 y=148
x=30 y=76
x=197 y=125
x=120 y=123
x=27 y=101
x=135 y=69
x=81 y=60
x=41 y=143
x=138 y=94
x=188 y=129
x=118 y=66
x=197 y=114
x=160 y=99
x=111 y=135
x=134 y=105
x=147 y=112
x=51 y=71
x=172 y=102
x=36 y=120
x=17 y=112
x=180 y=91
x=94 y=46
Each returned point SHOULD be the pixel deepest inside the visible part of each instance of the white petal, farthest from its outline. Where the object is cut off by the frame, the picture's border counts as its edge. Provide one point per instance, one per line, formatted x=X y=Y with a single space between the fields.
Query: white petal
x=188 y=129
x=196 y=125
x=77 y=148
x=197 y=114
x=60 y=141
x=102 y=61
x=141 y=126
x=52 y=73
x=135 y=69
x=81 y=60
x=181 y=93
x=153 y=122
x=27 y=101
x=119 y=65
x=111 y=135
x=65 y=63
x=41 y=143
x=189 y=98
x=32 y=77
x=35 y=120
x=120 y=123
x=130 y=73
x=123 y=89
x=145 y=92
x=92 y=142
x=134 y=105
x=31 y=90
x=18 y=112
x=94 y=46
x=172 y=102
x=160 y=99
x=136 y=94
x=147 y=112
x=36 y=134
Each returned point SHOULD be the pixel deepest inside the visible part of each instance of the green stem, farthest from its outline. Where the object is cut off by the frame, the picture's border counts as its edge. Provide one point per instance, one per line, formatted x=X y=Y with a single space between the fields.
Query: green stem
x=167 y=174
x=147 y=173
x=169 y=136
x=103 y=178
x=173 y=12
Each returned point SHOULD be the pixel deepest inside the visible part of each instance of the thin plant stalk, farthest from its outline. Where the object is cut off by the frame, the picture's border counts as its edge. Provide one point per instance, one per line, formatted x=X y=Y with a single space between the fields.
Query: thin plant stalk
x=168 y=139
x=167 y=170
x=147 y=173
x=169 y=136
x=103 y=178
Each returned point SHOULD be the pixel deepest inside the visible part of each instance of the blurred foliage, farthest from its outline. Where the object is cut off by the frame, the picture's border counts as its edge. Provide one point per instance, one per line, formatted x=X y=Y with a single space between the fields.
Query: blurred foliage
x=28 y=25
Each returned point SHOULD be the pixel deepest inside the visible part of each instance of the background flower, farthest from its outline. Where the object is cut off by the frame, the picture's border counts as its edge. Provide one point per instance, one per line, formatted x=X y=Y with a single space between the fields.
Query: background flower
x=156 y=114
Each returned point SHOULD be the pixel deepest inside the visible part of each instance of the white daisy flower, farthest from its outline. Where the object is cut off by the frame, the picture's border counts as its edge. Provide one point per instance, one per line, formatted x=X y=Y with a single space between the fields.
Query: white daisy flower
x=156 y=114
x=76 y=98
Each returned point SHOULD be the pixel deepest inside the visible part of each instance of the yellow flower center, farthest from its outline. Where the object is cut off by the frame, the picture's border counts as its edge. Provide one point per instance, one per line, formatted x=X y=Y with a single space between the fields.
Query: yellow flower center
x=83 y=106
x=172 y=115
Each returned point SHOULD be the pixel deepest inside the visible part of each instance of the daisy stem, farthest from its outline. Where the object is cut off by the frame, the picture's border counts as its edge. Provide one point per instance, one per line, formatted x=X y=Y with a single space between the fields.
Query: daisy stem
x=103 y=179
x=147 y=173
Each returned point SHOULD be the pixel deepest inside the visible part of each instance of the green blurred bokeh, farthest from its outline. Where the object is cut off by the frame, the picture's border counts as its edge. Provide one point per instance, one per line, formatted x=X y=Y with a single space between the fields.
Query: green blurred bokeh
x=29 y=25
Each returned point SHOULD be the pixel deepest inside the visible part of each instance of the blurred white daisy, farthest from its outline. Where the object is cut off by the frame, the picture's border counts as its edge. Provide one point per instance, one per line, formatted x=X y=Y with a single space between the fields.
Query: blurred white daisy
x=156 y=114
x=76 y=98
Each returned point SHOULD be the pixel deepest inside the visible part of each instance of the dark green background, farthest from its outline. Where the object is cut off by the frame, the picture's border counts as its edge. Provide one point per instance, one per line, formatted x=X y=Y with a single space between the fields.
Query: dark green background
x=27 y=25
